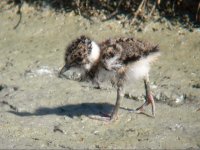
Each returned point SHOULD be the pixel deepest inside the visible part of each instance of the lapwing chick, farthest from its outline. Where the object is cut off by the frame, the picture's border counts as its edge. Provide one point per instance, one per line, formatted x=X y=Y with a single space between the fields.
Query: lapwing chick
x=83 y=53
x=129 y=58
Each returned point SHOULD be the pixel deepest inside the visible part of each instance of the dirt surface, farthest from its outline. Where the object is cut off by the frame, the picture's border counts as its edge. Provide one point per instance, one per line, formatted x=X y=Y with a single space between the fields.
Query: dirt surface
x=40 y=110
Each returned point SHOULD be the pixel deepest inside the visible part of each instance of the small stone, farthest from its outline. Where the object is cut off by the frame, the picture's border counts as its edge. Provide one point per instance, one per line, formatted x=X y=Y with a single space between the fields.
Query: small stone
x=155 y=29
x=2 y=86
x=197 y=85
x=177 y=100
x=96 y=132
x=74 y=74
x=140 y=29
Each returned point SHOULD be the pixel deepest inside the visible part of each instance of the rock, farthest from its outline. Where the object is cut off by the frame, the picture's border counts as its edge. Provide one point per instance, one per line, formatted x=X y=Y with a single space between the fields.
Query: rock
x=137 y=98
x=154 y=29
x=177 y=100
x=197 y=85
x=173 y=100
x=2 y=86
x=74 y=74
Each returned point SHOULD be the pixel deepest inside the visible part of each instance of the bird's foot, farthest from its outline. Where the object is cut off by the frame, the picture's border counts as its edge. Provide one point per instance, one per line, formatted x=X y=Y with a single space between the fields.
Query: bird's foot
x=141 y=108
x=149 y=100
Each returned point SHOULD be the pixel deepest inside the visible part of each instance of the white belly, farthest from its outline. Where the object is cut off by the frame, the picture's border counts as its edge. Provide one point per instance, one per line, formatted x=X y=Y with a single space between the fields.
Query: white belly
x=140 y=69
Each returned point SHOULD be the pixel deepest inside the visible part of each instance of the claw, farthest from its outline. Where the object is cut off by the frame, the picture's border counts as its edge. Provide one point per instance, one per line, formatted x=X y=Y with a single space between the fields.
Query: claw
x=150 y=100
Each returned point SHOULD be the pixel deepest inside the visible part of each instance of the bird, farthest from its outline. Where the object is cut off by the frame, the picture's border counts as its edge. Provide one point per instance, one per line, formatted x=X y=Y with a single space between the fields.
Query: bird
x=129 y=58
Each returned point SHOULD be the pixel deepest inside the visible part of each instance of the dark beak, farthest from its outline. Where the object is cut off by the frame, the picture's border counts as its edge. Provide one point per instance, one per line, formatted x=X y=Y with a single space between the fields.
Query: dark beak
x=63 y=70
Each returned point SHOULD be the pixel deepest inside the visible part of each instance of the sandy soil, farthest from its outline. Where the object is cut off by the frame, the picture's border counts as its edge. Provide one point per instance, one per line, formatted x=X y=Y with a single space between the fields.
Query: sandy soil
x=40 y=110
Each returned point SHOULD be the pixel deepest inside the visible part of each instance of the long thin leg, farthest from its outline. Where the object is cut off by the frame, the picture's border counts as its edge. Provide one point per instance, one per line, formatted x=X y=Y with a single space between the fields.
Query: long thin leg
x=114 y=113
x=149 y=97
x=118 y=101
x=120 y=95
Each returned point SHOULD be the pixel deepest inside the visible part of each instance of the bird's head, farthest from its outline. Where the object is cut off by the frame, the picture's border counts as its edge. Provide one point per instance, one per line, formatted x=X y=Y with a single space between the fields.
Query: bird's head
x=82 y=52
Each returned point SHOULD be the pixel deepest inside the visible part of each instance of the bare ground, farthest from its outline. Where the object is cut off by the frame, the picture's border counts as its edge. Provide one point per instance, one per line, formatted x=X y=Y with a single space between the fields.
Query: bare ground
x=40 y=110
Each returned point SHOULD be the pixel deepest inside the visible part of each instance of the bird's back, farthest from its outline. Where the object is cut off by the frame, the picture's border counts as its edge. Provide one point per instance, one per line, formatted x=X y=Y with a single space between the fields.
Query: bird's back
x=126 y=49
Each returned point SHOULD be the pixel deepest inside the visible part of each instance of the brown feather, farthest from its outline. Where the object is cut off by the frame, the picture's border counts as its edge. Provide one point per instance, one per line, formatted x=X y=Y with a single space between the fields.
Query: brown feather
x=128 y=49
x=78 y=50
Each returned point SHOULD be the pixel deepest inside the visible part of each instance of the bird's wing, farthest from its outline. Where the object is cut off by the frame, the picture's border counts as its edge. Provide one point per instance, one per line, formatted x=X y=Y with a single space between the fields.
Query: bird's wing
x=126 y=49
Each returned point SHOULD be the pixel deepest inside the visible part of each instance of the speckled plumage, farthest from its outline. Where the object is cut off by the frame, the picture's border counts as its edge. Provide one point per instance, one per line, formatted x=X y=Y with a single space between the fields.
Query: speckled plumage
x=127 y=49
x=125 y=56
x=78 y=50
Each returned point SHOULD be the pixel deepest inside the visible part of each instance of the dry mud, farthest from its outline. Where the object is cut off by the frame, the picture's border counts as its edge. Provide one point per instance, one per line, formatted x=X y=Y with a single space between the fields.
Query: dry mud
x=40 y=110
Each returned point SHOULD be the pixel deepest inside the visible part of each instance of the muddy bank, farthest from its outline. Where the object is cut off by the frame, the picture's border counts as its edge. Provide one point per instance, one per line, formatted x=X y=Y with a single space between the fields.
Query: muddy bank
x=40 y=110
x=183 y=10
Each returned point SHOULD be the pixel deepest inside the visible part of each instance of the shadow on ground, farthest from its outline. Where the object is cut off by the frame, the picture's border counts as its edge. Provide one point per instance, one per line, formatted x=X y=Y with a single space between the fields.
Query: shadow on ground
x=71 y=110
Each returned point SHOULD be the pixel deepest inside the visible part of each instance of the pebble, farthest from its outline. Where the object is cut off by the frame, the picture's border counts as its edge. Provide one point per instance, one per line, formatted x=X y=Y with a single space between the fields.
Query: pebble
x=180 y=99
x=197 y=85
x=96 y=132
x=2 y=86
x=171 y=99
x=137 y=98
x=74 y=74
